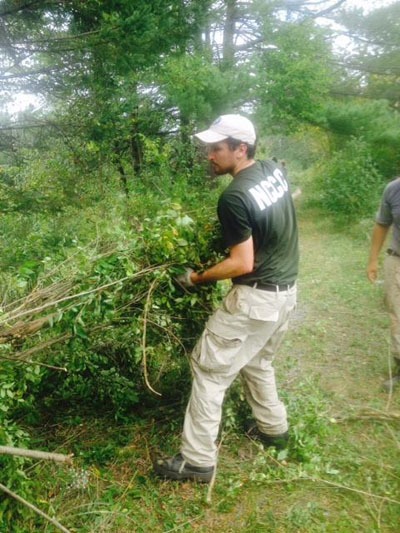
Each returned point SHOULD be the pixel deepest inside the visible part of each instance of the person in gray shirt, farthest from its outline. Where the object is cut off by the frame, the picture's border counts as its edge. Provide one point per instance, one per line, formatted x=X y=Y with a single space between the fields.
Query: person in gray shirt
x=387 y=216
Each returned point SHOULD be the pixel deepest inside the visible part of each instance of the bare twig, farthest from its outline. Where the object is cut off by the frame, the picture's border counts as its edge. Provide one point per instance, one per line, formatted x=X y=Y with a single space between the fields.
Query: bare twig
x=181 y=526
x=30 y=362
x=169 y=332
x=375 y=414
x=66 y=298
x=38 y=293
x=55 y=522
x=42 y=346
x=334 y=485
x=363 y=492
x=83 y=293
x=72 y=437
x=389 y=400
x=36 y=454
x=144 y=357
x=214 y=476
x=22 y=329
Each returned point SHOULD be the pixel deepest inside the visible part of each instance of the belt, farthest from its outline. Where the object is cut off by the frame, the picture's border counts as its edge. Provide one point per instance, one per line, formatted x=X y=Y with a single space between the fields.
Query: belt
x=392 y=252
x=271 y=287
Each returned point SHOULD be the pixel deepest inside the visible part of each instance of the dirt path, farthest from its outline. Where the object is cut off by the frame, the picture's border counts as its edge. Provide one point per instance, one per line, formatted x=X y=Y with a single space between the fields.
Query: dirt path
x=342 y=330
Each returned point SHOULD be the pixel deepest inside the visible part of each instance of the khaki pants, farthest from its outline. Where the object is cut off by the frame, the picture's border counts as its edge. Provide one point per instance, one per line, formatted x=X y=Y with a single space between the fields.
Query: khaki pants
x=392 y=299
x=240 y=337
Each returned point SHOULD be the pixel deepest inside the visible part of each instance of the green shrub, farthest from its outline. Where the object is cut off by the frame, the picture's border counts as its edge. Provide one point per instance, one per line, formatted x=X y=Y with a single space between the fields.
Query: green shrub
x=104 y=353
x=164 y=226
x=375 y=122
x=350 y=184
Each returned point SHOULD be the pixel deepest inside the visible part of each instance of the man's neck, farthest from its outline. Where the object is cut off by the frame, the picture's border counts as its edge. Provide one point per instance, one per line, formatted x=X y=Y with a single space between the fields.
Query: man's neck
x=242 y=165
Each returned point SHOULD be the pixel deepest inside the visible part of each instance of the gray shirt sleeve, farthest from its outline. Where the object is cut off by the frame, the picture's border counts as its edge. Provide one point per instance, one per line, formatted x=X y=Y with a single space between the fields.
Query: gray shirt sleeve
x=384 y=215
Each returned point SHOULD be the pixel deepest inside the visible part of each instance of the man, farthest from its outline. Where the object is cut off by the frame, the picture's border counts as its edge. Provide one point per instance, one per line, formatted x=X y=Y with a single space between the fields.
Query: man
x=388 y=215
x=259 y=227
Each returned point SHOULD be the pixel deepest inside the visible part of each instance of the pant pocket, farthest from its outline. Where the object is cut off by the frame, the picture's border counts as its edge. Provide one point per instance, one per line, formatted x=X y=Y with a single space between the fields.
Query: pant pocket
x=265 y=313
x=216 y=351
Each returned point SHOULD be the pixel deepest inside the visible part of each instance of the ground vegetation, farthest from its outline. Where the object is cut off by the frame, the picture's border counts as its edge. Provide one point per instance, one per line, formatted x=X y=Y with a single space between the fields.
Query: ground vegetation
x=105 y=198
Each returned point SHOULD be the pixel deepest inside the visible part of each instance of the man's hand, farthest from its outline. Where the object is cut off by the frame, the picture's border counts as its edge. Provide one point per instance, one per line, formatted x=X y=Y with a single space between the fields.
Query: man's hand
x=372 y=271
x=185 y=278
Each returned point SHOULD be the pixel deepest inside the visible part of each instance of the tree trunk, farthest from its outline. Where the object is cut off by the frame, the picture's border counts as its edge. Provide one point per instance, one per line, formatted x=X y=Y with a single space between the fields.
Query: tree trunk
x=228 y=48
x=136 y=152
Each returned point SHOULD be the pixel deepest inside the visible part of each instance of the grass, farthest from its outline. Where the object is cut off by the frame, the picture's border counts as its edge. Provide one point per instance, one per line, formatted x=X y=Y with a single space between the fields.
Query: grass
x=341 y=473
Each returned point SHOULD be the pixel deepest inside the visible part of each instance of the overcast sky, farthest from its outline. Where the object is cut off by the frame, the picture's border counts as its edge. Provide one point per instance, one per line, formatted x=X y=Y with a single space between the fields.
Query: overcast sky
x=369 y=5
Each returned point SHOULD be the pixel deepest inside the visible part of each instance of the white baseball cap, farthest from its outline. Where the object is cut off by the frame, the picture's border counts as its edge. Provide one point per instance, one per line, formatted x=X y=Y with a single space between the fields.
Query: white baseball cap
x=235 y=126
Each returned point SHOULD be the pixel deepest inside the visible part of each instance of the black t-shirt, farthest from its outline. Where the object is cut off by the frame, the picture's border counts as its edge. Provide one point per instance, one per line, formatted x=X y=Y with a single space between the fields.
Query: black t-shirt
x=258 y=202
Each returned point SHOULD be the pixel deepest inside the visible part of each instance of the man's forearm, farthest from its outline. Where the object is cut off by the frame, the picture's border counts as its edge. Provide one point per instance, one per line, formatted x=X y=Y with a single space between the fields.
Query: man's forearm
x=378 y=238
x=226 y=269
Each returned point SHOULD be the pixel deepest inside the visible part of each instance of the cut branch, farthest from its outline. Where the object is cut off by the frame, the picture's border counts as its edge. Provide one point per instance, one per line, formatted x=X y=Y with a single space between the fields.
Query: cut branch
x=22 y=329
x=372 y=414
x=29 y=362
x=36 y=454
x=144 y=357
x=78 y=295
x=55 y=522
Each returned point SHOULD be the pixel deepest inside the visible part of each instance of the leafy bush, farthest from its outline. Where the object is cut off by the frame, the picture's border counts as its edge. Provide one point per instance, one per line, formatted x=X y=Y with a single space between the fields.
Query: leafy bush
x=123 y=255
x=376 y=123
x=350 y=184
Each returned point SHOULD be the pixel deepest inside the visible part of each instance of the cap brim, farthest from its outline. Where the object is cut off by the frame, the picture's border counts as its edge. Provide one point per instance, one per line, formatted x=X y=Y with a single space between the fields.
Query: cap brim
x=210 y=136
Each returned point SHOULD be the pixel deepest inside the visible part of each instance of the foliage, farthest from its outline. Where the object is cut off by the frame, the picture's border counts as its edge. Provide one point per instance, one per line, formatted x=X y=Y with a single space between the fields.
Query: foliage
x=293 y=77
x=102 y=194
x=374 y=56
x=81 y=236
x=15 y=392
x=375 y=123
x=196 y=98
x=350 y=184
x=333 y=477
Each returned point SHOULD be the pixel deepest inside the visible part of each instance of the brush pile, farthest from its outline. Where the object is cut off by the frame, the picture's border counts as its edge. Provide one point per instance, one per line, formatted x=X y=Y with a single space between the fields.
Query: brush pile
x=108 y=327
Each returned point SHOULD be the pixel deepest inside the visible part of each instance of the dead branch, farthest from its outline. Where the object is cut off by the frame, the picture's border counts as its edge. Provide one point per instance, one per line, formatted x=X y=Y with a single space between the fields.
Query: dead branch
x=55 y=522
x=144 y=358
x=214 y=476
x=38 y=294
x=389 y=356
x=26 y=353
x=371 y=414
x=29 y=362
x=36 y=454
x=23 y=329
x=334 y=485
x=80 y=294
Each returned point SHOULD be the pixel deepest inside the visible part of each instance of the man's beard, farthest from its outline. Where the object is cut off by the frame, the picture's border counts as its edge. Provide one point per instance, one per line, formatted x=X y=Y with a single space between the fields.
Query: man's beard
x=219 y=171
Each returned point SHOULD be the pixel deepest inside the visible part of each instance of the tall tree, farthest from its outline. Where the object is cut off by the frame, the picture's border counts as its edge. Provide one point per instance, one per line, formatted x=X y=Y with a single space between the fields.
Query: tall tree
x=371 y=67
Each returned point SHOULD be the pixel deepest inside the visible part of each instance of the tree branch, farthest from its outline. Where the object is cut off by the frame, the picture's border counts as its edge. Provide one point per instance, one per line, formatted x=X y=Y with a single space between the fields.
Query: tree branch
x=144 y=358
x=34 y=508
x=36 y=454
x=17 y=9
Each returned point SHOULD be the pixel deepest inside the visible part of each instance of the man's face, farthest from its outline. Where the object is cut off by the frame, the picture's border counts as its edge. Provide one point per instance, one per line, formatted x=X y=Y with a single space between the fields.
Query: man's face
x=222 y=158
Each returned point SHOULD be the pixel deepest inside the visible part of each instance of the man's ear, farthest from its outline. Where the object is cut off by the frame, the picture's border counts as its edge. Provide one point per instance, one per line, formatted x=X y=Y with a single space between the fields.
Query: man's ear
x=243 y=149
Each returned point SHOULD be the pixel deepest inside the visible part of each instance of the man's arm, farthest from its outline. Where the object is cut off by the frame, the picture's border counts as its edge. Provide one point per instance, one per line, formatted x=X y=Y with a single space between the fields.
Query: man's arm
x=239 y=262
x=378 y=238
